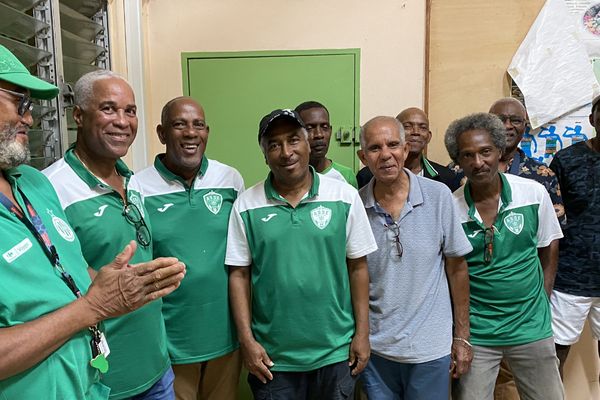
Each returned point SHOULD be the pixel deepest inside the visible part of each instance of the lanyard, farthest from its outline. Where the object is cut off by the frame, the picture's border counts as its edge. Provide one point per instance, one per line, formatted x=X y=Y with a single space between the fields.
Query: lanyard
x=37 y=228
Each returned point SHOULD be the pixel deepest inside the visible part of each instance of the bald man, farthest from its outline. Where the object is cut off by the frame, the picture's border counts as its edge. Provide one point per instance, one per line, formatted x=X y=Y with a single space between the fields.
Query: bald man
x=418 y=136
x=189 y=198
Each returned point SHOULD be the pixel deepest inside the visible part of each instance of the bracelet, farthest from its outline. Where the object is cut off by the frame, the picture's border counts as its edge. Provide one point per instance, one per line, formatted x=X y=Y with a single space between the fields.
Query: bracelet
x=463 y=340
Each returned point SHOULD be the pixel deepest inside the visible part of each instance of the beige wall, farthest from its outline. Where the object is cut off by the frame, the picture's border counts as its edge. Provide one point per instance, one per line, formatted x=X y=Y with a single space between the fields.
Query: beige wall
x=391 y=37
x=471 y=45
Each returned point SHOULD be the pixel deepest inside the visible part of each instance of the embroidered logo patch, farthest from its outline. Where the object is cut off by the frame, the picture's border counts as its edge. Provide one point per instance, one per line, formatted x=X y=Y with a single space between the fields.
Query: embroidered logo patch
x=62 y=227
x=320 y=217
x=514 y=222
x=213 y=202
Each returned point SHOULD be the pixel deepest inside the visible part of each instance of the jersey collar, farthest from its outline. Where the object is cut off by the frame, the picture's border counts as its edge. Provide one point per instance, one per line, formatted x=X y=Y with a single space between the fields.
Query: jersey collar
x=272 y=194
x=75 y=163
x=429 y=168
x=505 y=198
x=170 y=176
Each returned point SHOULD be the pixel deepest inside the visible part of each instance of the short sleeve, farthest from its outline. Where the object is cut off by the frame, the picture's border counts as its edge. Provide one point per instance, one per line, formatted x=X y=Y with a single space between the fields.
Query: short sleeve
x=238 y=251
x=548 y=225
x=359 y=237
x=455 y=243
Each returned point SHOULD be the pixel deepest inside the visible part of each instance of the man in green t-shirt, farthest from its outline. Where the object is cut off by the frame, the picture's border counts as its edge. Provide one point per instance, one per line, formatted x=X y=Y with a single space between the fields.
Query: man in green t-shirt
x=316 y=119
x=92 y=183
x=512 y=226
x=298 y=242
x=48 y=313
x=189 y=197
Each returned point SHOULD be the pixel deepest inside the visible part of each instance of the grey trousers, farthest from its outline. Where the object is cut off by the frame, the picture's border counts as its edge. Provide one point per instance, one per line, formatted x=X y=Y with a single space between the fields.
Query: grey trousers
x=534 y=365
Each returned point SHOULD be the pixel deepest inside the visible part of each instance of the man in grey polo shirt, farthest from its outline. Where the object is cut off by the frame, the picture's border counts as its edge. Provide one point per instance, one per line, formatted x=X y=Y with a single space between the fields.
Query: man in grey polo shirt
x=421 y=248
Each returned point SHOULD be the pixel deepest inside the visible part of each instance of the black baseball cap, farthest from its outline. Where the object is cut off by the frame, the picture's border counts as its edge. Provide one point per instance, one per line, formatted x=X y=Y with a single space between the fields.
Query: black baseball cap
x=267 y=120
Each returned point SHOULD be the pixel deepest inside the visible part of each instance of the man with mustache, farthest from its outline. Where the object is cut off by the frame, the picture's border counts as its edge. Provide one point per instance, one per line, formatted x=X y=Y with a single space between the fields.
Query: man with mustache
x=418 y=136
x=298 y=281
x=51 y=340
x=513 y=229
x=316 y=119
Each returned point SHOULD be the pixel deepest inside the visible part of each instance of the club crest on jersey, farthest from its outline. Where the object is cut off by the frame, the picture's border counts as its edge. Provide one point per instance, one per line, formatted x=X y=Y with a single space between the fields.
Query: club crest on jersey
x=213 y=202
x=514 y=222
x=134 y=198
x=62 y=227
x=320 y=217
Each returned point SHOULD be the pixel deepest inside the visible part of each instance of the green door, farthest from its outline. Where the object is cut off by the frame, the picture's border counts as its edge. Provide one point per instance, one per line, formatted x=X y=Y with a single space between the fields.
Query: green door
x=238 y=89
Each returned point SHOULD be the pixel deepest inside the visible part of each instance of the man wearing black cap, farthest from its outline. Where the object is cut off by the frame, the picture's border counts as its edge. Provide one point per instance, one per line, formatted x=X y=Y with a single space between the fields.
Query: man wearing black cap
x=298 y=242
x=51 y=342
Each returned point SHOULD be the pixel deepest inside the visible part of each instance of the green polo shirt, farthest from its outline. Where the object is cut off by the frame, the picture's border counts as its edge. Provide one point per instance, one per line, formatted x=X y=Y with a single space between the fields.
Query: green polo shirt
x=301 y=302
x=30 y=288
x=190 y=223
x=508 y=303
x=137 y=340
x=342 y=173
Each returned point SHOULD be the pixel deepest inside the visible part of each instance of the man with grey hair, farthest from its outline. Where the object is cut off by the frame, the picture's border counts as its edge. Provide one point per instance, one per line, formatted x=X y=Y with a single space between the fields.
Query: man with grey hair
x=92 y=183
x=512 y=226
x=51 y=342
x=298 y=242
x=418 y=274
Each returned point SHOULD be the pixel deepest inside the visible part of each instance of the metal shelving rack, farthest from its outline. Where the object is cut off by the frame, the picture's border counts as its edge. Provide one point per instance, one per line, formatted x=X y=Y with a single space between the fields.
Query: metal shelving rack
x=59 y=41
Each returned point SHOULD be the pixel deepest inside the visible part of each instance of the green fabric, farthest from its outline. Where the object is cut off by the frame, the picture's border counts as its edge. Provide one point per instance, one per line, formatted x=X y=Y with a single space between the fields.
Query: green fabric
x=197 y=317
x=137 y=340
x=427 y=165
x=30 y=288
x=508 y=303
x=347 y=173
x=289 y=271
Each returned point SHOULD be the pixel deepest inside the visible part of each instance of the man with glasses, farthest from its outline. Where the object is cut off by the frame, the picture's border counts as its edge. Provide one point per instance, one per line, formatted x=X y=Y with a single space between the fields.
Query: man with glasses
x=513 y=229
x=419 y=277
x=92 y=183
x=316 y=119
x=51 y=340
x=298 y=282
x=189 y=197
x=418 y=136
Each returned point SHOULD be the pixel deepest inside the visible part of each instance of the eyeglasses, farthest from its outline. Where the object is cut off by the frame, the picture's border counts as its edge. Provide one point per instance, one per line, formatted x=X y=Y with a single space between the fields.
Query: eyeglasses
x=488 y=245
x=133 y=215
x=395 y=230
x=514 y=120
x=25 y=102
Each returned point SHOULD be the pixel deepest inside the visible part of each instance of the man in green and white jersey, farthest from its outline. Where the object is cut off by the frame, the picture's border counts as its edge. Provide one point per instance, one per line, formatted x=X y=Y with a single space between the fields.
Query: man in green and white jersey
x=47 y=313
x=92 y=183
x=188 y=199
x=512 y=226
x=298 y=242
x=316 y=120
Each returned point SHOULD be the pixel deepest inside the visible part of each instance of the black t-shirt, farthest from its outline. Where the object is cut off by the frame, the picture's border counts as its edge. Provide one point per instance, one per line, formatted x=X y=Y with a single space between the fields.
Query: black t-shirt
x=578 y=170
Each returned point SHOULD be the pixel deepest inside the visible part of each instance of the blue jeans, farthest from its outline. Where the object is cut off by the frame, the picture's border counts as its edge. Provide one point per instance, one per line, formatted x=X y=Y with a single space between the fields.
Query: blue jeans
x=161 y=390
x=390 y=380
x=331 y=382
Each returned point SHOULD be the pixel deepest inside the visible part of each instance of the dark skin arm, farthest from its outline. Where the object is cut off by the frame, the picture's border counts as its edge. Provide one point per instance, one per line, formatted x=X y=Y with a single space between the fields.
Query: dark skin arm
x=549 y=260
x=360 y=349
x=118 y=289
x=458 y=280
x=256 y=359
